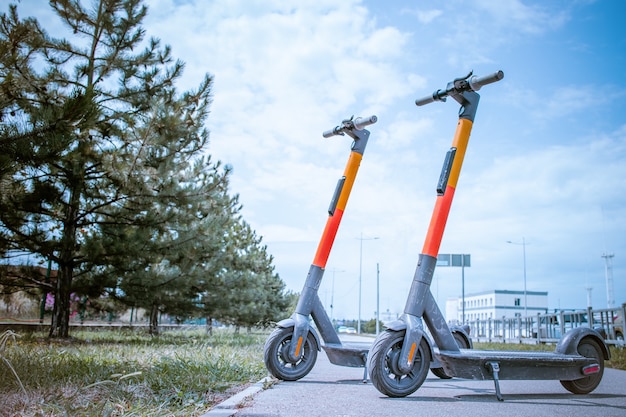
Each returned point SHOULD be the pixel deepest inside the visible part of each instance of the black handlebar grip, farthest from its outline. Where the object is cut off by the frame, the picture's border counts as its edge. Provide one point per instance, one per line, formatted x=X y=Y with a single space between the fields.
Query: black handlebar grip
x=425 y=100
x=439 y=95
x=361 y=122
x=477 y=82
x=332 y=132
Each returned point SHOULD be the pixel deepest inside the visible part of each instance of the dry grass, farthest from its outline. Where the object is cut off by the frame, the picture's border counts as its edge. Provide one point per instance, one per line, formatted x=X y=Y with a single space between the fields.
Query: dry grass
x=127 y=374
x=618 y=358
x=118 y=373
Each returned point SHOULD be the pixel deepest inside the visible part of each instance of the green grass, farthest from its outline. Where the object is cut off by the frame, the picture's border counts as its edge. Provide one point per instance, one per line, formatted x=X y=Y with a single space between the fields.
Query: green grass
x=113 y=373
x=618 y=359
x=126 y=373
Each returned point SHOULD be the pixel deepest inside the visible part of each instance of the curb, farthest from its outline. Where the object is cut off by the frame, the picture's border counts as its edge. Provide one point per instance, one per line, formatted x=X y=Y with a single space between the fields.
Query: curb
x=229 y=407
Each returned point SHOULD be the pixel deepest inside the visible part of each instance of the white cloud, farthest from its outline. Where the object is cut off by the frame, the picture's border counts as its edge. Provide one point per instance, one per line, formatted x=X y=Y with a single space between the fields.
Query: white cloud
x=558 y=103
x=517 y=16
x=425 y=16
x=546 y=159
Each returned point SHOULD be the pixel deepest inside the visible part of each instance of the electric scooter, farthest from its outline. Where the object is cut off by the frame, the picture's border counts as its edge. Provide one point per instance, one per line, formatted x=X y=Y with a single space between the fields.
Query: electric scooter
x=291 y=349
x=400 y=357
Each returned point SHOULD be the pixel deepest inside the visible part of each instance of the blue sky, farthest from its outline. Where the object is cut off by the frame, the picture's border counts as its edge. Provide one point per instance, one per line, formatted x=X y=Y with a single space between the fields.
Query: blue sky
x=546 y=162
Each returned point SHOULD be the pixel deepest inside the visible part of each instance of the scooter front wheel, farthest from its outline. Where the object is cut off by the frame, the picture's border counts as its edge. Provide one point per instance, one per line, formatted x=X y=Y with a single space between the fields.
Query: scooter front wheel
x=383 y=365
x=588 y=348
x=276 y=357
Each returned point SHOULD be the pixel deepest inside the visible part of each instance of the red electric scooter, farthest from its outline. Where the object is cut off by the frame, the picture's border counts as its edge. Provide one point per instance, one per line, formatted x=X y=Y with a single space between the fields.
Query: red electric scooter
x=400 y=357
x=291 y=349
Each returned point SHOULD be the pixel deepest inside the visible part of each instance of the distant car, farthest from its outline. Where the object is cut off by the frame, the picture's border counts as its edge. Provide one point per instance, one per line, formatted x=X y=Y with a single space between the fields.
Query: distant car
x=350 y=330
x=342 y=329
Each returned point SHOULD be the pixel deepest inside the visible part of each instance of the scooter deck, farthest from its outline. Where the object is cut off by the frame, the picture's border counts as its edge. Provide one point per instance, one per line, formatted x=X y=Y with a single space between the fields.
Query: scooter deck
x=347 y=354
x=479 y=364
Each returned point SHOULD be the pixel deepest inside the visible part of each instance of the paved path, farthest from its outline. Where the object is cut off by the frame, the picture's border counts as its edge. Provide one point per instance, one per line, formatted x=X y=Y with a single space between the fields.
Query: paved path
x=335 y=391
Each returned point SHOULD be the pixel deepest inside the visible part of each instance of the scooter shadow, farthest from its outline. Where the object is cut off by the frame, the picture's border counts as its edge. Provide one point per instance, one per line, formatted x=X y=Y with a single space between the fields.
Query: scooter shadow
x=486 y=395
x=338 y=382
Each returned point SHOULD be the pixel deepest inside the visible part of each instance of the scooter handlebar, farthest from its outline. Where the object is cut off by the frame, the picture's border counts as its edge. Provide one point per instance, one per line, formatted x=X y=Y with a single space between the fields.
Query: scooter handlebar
x=472 y=83
x=332 y=132
x=477 y=82
x=428 y=99
x=359 y=124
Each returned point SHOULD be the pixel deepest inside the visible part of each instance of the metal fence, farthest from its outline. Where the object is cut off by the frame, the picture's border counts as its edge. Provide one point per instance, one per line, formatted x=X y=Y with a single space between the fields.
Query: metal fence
x=549 y=327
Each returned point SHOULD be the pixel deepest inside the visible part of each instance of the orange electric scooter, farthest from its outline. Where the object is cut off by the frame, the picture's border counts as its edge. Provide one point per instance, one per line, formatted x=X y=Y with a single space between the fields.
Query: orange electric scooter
x=401 y=356
x=291 y=349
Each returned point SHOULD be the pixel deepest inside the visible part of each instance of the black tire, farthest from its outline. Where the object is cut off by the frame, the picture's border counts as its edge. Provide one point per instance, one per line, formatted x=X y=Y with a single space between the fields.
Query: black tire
x=383 y=365
x=440 y=373
x=275 y=355
x=461 y=343
x=588 y=348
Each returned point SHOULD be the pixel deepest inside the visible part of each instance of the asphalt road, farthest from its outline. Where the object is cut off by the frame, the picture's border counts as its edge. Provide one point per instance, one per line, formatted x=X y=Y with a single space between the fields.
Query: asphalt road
x=336 y=391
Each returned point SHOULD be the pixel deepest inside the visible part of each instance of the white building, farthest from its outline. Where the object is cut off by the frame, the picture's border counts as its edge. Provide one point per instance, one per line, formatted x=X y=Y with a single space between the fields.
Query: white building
x=497 y=304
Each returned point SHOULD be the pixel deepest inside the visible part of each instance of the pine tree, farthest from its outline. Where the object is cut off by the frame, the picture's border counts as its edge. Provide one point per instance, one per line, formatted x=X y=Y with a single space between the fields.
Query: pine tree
x=102 y=172
x=166 y=264
x=248 y=293
x=85 y=115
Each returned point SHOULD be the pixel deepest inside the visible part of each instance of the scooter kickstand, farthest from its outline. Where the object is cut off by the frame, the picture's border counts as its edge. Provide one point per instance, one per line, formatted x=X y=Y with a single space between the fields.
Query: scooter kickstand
x=495 y=368
x=365 y=368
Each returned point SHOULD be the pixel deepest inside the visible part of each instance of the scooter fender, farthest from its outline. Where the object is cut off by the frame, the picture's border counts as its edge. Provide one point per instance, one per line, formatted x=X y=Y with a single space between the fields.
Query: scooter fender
x=463 y=331
x=412 y=339
x=568 y=344
x=396 y=325
x=301 y=328
x=399 y=326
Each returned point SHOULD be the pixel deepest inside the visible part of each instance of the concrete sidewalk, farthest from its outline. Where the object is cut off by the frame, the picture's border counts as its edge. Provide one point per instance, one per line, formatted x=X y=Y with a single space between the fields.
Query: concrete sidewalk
x=331 y=390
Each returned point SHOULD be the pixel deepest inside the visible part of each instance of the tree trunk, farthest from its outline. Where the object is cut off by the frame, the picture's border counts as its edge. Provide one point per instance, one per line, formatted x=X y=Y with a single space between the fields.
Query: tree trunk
x=154 y=320
x=209 y=325
x=61 y=312
x=60 y=326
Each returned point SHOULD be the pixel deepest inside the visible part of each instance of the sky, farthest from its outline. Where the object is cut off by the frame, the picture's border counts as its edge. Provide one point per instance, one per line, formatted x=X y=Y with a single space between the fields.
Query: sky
x=545 y=166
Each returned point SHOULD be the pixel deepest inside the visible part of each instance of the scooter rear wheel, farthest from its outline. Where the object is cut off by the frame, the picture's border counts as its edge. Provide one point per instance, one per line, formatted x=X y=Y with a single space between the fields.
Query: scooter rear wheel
x=383 y=365
x=276 y=358
x=588 y=348
x=462 y=344
x=440 y=373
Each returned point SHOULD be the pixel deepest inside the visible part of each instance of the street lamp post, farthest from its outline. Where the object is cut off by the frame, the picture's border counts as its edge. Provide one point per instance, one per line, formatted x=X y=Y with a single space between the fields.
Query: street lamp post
x=360 y=277
x=524 y=258
x=377 y=299
x=453 y=259
x=332 y=294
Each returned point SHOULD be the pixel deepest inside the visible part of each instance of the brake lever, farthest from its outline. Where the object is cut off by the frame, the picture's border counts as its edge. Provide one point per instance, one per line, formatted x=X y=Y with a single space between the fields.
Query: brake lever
x=462 y=83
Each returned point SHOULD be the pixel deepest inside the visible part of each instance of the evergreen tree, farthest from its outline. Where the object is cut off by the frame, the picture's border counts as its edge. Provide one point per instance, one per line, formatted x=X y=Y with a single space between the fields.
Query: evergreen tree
x=249 y=293
x=86 y=114
x=102 y=173
x=166 y=265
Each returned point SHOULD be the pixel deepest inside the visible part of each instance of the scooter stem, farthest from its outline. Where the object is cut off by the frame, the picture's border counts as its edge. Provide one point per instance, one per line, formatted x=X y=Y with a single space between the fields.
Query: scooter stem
x=308 y=297
x=418 y=302
x=450 y=174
